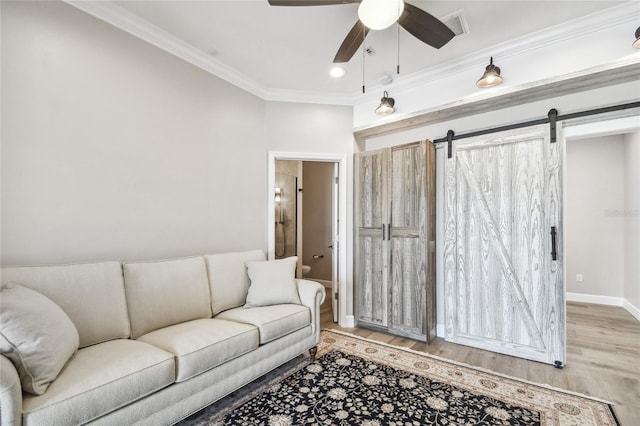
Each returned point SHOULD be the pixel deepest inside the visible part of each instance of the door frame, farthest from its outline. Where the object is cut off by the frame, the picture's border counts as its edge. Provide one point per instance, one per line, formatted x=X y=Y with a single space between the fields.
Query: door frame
x=341 y=161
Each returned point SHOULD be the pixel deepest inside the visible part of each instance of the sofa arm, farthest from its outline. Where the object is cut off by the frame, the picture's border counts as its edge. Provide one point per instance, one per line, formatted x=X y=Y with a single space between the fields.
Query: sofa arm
x=312 y=295
x=10 y=394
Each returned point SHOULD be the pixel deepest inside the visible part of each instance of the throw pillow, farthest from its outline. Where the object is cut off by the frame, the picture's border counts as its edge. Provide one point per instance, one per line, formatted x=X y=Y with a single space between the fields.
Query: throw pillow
x=36 y=335
x=272 y=282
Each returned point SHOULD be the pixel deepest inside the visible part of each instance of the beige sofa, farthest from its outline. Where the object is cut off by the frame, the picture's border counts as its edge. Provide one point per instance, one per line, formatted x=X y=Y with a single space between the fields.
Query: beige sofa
x=157 y=340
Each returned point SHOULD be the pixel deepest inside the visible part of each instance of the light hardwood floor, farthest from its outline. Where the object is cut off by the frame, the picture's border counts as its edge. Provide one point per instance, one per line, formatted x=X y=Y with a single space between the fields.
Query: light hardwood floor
x=603 y=356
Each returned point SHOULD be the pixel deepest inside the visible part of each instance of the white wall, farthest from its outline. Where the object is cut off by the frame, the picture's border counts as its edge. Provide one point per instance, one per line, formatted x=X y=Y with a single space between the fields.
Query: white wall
x=632 y=222
x=595 y=223
x=112 y=148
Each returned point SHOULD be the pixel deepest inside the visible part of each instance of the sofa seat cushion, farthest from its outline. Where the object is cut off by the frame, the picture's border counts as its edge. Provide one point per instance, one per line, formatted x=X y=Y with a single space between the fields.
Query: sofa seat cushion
x=272 y=321
x=200 y=345
x=99 y=379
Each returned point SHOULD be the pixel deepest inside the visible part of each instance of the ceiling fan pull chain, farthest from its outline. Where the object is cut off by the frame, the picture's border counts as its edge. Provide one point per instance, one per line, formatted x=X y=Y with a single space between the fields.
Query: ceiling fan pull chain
x=398 y=64
x=364 y=35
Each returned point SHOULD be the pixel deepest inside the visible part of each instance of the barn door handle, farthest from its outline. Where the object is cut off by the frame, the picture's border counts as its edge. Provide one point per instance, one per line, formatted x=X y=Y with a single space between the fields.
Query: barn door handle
x=383 y=233
x=554 y=245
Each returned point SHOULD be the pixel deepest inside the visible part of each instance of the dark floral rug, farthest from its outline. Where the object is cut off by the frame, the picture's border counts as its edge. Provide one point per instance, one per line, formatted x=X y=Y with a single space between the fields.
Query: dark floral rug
x=359 y=382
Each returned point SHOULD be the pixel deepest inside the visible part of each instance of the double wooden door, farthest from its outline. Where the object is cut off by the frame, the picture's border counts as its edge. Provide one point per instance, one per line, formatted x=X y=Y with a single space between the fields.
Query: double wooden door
x=503 y=254
x=395 y=240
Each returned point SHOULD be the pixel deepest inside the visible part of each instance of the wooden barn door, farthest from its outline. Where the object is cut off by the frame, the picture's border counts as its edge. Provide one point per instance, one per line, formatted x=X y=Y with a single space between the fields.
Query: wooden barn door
x=504 y=284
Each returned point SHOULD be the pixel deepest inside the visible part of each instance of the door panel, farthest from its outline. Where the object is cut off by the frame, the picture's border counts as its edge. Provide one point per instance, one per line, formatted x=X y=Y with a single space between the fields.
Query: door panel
x=408 y=286
x=372 y=294
x=503 y=292
x=371 y=178
x=370 y=251
x=407 y=282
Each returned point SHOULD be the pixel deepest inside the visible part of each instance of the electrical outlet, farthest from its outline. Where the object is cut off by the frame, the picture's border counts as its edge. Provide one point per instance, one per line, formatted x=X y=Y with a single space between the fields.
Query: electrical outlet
x=579 y=278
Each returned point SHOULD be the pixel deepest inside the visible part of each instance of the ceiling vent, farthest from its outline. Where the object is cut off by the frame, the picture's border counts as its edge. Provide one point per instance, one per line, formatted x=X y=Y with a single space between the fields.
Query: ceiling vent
x=457 y=22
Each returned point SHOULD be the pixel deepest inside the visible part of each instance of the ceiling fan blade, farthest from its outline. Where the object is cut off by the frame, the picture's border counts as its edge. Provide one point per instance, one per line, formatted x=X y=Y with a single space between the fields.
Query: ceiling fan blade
x=310 y=2
x=352 y=41
x=425 y=27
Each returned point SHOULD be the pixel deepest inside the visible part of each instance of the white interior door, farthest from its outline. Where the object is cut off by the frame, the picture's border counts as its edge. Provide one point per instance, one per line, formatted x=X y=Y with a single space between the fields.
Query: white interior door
x=504 y=283
x=335 y=244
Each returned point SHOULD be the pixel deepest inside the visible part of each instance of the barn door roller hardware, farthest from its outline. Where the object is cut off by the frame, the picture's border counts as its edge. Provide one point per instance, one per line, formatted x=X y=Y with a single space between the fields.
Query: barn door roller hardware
x=553 y=116
x=450 y=135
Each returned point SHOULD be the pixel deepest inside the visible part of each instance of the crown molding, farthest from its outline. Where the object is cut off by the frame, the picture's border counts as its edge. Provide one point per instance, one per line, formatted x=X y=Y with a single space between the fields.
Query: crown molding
x=310 y=97
x=144 y=30
x=138 y=27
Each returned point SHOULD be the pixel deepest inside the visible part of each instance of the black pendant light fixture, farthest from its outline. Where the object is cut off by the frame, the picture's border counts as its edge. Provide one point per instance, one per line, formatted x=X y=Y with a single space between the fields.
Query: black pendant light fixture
x=636 y=43
x=386 y=105
x=491 y=76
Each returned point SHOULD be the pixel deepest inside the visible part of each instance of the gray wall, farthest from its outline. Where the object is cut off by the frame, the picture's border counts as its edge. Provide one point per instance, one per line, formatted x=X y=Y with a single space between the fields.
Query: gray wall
x=112 y=148
x=594 y=206
x=632 y=219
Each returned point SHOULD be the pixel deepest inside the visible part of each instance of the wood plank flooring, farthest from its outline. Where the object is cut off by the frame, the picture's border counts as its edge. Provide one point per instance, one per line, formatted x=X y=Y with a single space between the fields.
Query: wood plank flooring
x=603 y=356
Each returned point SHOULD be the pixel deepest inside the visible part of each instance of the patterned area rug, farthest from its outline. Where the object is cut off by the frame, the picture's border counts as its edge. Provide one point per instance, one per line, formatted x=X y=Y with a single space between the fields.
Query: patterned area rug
x=356 y=381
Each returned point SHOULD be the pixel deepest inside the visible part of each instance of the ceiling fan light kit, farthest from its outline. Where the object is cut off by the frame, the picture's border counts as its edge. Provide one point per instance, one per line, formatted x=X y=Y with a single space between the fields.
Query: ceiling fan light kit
x=337 y=72
x=380 y=14
x=636 y=43
x=491 y=76
x=386 y=105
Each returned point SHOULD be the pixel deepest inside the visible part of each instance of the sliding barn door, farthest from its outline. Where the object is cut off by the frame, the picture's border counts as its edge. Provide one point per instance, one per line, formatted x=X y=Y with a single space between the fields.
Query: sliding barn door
x=504 y=285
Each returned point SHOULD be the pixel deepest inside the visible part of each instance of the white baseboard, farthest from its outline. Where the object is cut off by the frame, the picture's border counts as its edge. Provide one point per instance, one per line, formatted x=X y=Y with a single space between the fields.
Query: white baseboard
x=633 y=310
x=594 y=298
x=604 y=300
x=348 y=321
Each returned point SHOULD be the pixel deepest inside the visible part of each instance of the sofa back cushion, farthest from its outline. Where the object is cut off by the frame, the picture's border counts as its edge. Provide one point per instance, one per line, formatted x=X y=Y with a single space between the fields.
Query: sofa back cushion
x=164 y=293
x=91 y=294
x=228 y=278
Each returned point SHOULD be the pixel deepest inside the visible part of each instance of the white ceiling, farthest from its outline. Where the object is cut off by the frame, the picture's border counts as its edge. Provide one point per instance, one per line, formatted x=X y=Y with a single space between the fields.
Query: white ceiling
x=290 y=49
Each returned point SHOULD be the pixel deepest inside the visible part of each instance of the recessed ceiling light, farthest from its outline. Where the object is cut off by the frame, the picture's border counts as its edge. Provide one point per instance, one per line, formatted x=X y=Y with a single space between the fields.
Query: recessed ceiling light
x=337 y=72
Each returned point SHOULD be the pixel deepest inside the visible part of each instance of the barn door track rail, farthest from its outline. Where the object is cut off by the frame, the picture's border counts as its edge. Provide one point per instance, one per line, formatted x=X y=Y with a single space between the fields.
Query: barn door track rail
x=552 y=118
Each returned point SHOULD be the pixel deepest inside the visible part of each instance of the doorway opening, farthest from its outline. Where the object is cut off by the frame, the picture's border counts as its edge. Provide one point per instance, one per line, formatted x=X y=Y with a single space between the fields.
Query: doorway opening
x=307 y=218
x=603 y=233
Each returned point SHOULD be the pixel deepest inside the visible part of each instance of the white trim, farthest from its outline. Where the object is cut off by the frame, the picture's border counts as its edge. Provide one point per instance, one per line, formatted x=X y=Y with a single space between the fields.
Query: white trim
x=121 y=18
x=349 y=321
x=440 y=331
x=633 y=310
x=602 y=127
x=344 y=319
x=595 y=299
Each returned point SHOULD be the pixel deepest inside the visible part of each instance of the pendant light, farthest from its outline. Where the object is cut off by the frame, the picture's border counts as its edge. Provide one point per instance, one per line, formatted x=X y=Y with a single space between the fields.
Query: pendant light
x=636 y=43
x=491 y=76
x=380 y=14
x=386 y=105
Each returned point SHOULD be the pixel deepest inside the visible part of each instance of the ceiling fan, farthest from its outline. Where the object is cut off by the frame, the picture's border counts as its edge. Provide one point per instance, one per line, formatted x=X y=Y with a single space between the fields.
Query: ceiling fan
x=416 y=21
